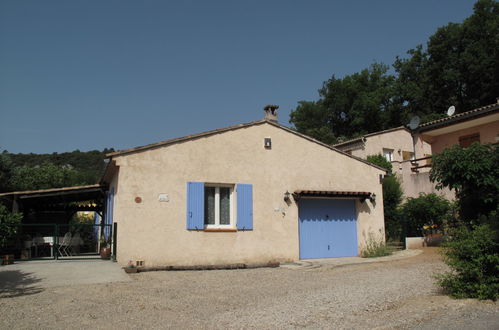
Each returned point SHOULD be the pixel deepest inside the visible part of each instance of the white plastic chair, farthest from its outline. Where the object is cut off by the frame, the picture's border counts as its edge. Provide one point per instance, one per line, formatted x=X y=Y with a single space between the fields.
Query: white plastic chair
x=65 y=244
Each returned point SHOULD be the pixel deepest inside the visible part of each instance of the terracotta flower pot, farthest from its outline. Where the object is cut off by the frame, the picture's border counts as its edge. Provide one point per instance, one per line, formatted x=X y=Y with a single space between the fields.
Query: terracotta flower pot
x=130 y=270
x=105 y=253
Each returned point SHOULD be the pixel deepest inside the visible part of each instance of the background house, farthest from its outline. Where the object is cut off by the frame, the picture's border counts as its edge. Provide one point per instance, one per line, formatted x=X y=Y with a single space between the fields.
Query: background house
x=477 y=125
x=400 y=147
x=396 y=145
x=410 y=152
x=255 y=192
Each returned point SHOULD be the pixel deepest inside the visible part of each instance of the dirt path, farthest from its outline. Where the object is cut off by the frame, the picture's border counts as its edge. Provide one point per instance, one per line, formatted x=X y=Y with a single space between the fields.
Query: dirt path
x=396 y=294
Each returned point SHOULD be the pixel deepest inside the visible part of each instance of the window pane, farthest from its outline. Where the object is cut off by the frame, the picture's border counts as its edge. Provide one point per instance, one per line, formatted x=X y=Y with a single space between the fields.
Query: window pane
x=209 y=205
x=224 y=206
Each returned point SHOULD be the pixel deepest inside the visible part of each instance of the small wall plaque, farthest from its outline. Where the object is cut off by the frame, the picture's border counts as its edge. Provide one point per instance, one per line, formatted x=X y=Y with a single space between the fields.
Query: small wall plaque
x=163 y=198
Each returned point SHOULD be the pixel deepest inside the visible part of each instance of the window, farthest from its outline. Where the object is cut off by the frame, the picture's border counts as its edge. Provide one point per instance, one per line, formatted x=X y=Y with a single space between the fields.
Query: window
x=218 y=206
x=223 y=207
x=407 y=155
x=388 y=154
x=467 y=140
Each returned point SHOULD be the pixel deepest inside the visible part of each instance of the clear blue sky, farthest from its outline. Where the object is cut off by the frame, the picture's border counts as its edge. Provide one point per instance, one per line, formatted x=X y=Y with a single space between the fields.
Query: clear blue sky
x=93 y=74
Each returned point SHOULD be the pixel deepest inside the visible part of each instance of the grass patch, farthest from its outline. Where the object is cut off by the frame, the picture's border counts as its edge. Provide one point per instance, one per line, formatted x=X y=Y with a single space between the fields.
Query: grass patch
x=376 y=248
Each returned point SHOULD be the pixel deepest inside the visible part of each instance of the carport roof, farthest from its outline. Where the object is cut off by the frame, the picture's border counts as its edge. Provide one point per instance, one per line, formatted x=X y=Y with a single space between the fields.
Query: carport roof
x=57 y=195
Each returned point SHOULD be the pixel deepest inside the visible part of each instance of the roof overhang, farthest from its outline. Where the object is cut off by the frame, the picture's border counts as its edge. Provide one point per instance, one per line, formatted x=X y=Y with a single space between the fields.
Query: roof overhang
x=59 y=198
x=438 y=130
x=362 y=195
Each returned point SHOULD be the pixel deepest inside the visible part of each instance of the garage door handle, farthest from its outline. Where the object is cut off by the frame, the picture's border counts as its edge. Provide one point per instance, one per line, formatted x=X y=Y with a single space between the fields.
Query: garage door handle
x=328 y=247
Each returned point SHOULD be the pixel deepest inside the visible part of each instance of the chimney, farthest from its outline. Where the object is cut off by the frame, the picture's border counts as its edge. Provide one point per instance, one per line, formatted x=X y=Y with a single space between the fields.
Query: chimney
x=271 y=112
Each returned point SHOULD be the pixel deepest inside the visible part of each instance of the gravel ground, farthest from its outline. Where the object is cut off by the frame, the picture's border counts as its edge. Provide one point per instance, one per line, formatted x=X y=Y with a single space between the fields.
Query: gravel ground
x=395 y=294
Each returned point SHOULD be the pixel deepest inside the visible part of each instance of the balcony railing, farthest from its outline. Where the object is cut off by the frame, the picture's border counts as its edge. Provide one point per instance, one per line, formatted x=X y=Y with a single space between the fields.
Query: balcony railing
x=416 y=163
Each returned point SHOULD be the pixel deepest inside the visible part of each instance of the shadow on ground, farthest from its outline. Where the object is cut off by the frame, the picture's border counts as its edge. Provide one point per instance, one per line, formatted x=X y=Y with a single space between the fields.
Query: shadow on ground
x=16 y=283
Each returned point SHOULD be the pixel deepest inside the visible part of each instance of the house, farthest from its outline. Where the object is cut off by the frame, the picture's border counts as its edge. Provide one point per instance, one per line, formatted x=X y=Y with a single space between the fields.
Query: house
x=395 y=144
x=477 y=125
x=401 y=147
x=250 y=193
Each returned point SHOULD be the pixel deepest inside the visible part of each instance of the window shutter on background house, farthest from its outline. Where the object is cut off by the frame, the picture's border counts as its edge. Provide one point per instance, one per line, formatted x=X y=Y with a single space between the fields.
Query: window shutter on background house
x=244 y=206
x=195 y=205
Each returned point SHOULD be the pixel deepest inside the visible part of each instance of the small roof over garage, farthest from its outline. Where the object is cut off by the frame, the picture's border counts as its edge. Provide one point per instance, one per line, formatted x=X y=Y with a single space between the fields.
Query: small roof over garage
x=362 y=195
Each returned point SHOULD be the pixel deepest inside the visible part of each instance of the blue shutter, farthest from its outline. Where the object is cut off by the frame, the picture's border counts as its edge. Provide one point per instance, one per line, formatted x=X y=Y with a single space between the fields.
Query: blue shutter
x=195 y=205
x=244 y=206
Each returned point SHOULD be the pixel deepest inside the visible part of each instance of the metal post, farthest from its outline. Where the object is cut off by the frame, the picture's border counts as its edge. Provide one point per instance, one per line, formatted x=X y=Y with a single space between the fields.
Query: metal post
x=56 y=242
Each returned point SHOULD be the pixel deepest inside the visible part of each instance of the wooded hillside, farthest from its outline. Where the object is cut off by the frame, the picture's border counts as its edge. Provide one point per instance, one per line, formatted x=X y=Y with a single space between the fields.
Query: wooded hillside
x=43 y=171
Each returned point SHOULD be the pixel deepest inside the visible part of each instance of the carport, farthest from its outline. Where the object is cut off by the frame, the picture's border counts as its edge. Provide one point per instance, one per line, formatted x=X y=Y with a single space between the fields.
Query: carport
x=68 y=223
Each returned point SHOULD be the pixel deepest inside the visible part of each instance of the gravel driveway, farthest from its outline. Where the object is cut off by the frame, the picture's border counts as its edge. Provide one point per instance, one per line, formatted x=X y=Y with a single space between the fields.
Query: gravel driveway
x=395 y=294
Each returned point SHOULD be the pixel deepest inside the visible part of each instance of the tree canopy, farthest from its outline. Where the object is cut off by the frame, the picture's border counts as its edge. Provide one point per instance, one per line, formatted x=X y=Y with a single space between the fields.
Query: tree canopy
x=459 y=66
x=473 y=173
x=43 y=171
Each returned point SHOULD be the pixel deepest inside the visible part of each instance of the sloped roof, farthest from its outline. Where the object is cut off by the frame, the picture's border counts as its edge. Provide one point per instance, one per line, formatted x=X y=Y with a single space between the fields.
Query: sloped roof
x=360 y=138
x=232 y=128
x=460 y=117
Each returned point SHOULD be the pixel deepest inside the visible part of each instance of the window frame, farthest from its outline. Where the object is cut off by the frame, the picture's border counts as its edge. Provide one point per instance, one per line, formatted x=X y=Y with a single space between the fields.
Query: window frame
x=232 y=220
x=387 y=152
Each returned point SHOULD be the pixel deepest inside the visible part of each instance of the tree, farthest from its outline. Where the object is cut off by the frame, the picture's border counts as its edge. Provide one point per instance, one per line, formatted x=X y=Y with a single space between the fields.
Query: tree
x=8 y=225
x=474 y=175
x=5 y=172
x=356 y=104
x=43 y=177
x=459 y=66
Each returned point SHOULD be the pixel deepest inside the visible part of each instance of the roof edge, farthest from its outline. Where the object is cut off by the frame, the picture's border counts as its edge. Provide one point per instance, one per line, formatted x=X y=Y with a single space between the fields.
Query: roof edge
x=311 y=139
x=40 y=191
x=360 y=138
x=231 y=128
x=463 y=116
x=184 y=138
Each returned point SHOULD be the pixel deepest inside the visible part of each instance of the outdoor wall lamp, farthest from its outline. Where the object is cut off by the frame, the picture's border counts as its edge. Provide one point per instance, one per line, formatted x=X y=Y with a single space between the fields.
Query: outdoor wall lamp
x=372 y=198
x=286 y=196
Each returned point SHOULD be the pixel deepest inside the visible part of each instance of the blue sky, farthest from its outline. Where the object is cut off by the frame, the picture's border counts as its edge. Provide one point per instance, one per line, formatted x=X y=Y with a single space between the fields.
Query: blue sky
x=93 y=74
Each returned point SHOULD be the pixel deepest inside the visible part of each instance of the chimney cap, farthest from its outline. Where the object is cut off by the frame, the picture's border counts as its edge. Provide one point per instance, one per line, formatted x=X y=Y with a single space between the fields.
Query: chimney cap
x=271 y=107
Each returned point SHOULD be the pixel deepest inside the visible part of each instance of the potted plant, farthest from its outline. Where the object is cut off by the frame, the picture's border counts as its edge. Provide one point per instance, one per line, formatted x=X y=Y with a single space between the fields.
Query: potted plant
x=105 y=248
x=130 y=268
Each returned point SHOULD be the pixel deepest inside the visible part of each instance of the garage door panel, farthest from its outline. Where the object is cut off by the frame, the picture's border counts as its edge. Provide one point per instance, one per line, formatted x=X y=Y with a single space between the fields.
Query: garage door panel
x=328 y=228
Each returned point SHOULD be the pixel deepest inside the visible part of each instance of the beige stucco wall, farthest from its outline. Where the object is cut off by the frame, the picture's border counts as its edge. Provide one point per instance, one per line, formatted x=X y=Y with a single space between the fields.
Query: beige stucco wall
x=156 y=232
x=413 y=184
x=488 y=134
x=399 y=140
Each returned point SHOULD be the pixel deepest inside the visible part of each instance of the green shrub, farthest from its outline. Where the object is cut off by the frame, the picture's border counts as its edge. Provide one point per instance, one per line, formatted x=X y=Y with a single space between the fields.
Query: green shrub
x=392 y=196
x=473 y=256
x=8 y=226
x=380 y=160
x=473 y=174
x=375 y=248
x=426 y=210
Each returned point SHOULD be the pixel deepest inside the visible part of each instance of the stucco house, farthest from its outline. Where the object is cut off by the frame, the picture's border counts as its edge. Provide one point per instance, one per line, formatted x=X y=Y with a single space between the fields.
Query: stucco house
x=401 y=147
x=477 y=125
x=251 y=193
x=395 y=144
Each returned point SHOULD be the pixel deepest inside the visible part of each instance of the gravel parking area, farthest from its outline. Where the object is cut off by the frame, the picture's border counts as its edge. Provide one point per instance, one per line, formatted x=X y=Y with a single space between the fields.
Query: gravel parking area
x=393 y=294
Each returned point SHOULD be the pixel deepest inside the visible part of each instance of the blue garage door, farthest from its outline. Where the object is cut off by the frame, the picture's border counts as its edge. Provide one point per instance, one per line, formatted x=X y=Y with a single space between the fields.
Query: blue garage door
x=328 y=228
